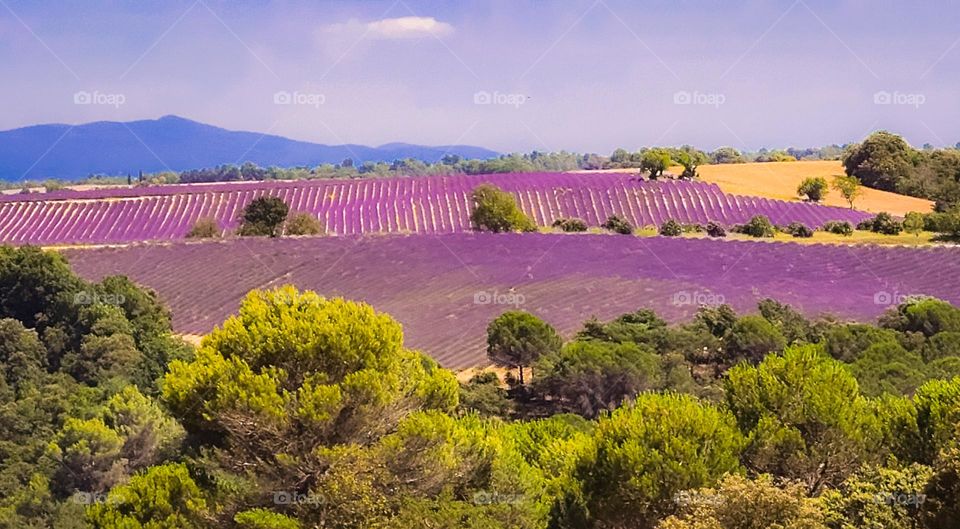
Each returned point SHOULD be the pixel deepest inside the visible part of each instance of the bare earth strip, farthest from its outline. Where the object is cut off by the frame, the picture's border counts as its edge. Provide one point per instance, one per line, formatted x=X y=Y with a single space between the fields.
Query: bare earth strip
x=445 y=289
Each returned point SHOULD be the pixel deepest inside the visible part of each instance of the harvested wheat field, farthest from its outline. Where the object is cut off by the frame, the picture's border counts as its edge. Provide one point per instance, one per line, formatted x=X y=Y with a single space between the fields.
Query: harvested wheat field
x=780 y=180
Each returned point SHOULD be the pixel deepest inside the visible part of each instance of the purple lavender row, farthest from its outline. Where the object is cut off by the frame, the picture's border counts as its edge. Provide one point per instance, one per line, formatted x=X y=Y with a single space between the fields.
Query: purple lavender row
x=416 y=205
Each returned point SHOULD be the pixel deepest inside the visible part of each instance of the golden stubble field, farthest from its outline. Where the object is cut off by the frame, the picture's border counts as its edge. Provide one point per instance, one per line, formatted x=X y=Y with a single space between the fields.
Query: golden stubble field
x=780 y=180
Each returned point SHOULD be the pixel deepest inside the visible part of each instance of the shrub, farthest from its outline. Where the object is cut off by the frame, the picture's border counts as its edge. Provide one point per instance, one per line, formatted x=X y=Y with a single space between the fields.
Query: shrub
x=799 y=229
x=618 y=224
x=883 y=223
x=839 y=227
x=814 y=189
x=497 y=211
x=304 y=224
x=204 y=228
x=264 y=216
x=759 y=226
x=716 y=230
x=942 y=222
x=671 y=228
x=913 y=223
x=570 y=225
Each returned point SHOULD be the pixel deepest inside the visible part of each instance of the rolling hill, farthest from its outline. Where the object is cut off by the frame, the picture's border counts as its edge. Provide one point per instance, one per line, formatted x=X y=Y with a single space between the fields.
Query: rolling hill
x=177 y=144
x=446 y=288
x=779 y=180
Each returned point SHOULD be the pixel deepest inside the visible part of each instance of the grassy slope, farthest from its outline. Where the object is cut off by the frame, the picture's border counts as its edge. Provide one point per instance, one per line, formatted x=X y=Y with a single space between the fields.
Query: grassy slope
x=780 y=180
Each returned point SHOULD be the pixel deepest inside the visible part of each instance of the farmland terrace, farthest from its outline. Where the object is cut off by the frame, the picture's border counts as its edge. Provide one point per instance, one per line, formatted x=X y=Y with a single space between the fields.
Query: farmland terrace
x=445 y=289
x=439 y=204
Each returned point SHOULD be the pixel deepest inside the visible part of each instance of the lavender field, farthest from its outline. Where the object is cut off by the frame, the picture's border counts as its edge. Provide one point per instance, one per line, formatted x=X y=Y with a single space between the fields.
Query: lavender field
x=445 y=289
x=388 y=205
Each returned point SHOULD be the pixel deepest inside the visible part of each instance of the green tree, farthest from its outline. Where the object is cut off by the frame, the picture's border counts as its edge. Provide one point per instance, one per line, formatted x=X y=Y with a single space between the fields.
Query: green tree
x=751 y=338
x=690 y=159
x=848 y=187
x=516 y=339
x=891 y=498
x=588 y=377
x=163 y=497
x=805 y=417
x=928 y=316
x=726 y=155
x=264 y=216
x=813 y=189
x=881 y=161
x=655 y=161
x=497 y=211
x=741 y=503
x=913 y=223
x=644 y=453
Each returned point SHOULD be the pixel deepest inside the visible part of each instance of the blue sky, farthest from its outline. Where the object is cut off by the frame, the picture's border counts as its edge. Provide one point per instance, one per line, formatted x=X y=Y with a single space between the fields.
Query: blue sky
x=509 y=75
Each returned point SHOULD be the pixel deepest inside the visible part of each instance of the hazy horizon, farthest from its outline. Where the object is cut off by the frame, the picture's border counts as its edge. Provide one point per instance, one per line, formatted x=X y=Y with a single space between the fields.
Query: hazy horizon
x=510 y=76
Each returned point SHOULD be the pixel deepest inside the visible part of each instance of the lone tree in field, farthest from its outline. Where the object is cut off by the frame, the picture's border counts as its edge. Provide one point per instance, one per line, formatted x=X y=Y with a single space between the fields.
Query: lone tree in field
x=813 y=189
x=882 y=161
x=264 y=216
x=655 y=162
x=849 y=188
x=497 y=211
x=517 y=339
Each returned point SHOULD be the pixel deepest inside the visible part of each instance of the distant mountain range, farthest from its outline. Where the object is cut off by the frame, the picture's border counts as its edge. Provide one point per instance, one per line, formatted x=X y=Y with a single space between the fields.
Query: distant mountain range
x=171 y=142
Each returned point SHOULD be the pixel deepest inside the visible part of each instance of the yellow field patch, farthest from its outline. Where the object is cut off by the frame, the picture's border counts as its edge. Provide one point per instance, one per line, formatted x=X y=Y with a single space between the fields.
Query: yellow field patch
x=780 y=180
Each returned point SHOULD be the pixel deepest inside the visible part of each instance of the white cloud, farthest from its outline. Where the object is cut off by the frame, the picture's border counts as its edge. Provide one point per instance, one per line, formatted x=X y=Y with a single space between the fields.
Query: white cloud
x=393 y=28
